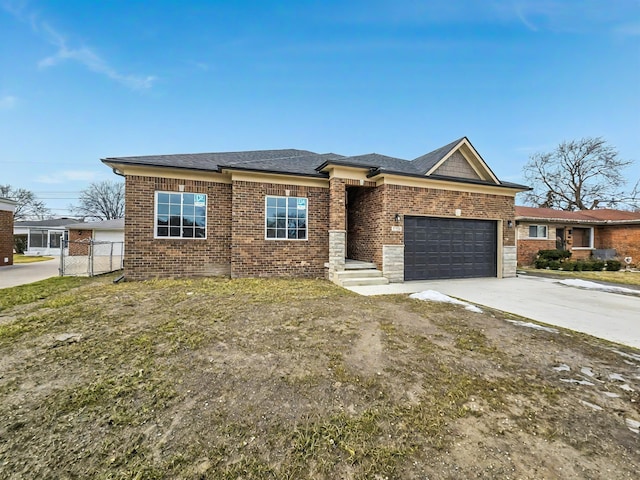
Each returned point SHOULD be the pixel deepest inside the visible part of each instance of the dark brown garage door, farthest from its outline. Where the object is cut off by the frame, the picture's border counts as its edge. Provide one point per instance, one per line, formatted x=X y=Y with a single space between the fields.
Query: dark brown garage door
x=449 y=248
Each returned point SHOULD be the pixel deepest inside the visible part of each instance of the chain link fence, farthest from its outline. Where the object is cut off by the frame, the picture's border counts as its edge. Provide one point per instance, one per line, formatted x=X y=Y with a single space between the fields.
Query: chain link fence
x=91 y=257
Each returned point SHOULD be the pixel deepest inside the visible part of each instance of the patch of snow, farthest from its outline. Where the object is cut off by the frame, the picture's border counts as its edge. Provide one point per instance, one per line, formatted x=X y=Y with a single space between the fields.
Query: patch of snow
x=596 y=286
x=563 y=367
x=533 y=325
x=579 y=382
x=433 y=296
x=616 y=376
x=632 y=356
x=591 y=405
x=611 y=395
x=626 y=388
x=633 y=425
x=587 y=371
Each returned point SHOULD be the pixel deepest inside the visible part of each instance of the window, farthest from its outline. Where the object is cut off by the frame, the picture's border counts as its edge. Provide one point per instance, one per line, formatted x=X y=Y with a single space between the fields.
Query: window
x=55 y=239
x=181 y=215
x=38 y=238
x=537 y=231
x=286 y=218
x=583 y=237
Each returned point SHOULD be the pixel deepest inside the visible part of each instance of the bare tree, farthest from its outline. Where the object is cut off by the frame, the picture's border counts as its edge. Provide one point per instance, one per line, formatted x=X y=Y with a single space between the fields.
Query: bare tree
x=580 y=175
x=101 y=201
x=28 y=207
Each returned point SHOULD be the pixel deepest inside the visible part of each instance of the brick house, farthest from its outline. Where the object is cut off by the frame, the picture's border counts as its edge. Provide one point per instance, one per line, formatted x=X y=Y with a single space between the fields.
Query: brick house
x=583 y=232
x=303 y=214
x=82 y=234
x=7 y=207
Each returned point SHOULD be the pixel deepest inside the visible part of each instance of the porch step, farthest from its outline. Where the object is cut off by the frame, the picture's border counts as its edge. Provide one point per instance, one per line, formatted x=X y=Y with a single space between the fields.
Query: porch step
x=361 y=276
x=358 y=265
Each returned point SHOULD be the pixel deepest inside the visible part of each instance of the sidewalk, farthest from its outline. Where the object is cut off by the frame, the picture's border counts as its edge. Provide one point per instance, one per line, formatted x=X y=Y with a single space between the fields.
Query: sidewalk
x=23 y=273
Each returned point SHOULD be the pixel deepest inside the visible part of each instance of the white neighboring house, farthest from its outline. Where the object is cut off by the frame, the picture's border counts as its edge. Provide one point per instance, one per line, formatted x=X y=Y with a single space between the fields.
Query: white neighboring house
x=44 y=237
x=103 y=231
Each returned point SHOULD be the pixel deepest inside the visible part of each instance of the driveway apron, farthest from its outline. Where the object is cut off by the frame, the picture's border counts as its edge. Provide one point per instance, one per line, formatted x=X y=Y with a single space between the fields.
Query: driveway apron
x=612 y=316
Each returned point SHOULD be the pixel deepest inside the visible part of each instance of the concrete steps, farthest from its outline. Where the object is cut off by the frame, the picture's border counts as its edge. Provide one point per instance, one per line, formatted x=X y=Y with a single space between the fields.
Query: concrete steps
x=358 y=273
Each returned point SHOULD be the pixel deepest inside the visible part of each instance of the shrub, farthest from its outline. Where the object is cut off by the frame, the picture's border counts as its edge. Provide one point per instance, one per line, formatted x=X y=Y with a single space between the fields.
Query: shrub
x=554 y=264
x=541 y=263
x=569 y=266
x=613 y=265
x=597 y=265
x=554 y=254
x=20 y=243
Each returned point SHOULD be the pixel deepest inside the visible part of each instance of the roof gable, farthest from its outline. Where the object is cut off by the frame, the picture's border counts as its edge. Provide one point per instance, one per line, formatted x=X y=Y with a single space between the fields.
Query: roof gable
x=458 y=159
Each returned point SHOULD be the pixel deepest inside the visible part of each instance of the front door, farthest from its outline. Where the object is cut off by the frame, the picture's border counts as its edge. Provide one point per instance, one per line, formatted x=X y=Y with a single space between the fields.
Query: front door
x=560 y=243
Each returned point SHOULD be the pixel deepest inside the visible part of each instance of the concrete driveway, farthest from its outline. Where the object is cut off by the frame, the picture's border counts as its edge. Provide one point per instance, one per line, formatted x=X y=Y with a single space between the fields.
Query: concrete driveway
x=23 y=273
x=612 y=316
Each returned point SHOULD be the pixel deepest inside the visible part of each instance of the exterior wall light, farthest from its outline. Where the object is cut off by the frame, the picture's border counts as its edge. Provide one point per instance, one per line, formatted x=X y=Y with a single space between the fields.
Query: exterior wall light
x=397 y=218
x=510 y=223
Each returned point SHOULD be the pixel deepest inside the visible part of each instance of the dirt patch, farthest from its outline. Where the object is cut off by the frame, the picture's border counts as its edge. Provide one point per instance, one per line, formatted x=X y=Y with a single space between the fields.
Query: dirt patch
x=300 y=379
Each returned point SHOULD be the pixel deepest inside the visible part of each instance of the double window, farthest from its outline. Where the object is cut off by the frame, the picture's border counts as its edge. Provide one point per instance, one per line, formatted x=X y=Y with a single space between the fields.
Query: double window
x=286 y=218
x=537 y=231
x=181 y=215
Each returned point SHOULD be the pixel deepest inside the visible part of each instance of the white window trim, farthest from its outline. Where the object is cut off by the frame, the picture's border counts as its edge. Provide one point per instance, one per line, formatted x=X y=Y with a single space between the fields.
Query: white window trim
x=538 y=238
x=155 y=217
x=284 y=239
x=591 y=239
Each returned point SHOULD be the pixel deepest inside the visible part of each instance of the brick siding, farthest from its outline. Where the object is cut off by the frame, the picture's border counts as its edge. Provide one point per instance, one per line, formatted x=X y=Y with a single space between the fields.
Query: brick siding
x=443 y=203
x=149 y=257
x=6 y=238
x=78 y=242
x=254 y=256
x=364 y=224
x=624 y=238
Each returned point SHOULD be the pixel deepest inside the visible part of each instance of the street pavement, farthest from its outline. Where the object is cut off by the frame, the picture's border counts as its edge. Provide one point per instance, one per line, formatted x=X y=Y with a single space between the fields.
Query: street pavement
x=23 y=273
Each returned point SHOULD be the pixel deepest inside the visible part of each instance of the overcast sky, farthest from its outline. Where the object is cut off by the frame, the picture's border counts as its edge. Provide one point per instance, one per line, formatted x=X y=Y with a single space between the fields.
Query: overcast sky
x=84 y=80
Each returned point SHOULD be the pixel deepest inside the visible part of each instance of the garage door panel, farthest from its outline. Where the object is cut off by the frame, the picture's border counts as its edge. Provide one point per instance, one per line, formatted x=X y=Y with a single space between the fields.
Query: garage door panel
x=449 y=248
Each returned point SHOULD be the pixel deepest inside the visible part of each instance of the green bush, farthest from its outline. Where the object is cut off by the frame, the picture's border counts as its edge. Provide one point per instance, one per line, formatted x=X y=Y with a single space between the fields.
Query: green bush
x=613 y=265
x=20 y=243
x=569 y=266
x=540 y=263
x=554 y=264
x=554 y=254
x=597 y=265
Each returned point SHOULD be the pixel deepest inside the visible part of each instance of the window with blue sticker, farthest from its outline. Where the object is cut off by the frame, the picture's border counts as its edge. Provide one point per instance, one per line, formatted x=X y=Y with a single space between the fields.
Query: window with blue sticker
x=286 y=218
x=181 y=215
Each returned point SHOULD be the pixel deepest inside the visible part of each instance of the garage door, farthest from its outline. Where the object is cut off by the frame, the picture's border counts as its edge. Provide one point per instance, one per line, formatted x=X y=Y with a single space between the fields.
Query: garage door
x=436 y=248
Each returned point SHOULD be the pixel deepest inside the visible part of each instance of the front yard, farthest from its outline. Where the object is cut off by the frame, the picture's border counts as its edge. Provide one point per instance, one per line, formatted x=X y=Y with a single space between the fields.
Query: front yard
x=279 y=379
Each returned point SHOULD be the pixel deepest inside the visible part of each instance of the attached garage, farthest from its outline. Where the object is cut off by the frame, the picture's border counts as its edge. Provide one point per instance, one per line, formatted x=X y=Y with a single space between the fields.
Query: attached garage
x=440 y=248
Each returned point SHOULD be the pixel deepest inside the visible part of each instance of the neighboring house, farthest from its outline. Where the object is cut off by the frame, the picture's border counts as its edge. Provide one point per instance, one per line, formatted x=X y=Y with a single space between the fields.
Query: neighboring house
x=302 y=214
x=582 y=232
x=43 y=237
x=111 y=231
x=7 y=207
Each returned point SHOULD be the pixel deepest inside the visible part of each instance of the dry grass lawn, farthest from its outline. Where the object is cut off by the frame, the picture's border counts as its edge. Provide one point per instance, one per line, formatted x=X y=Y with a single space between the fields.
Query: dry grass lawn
x=281 y=379
x=29 y=258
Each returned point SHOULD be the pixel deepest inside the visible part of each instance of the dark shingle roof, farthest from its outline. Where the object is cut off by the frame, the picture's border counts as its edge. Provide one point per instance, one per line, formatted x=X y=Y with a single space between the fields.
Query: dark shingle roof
x=427 y=161
x=300 y=162
x=54 y=222
x=209 y=161
x=113 y=224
